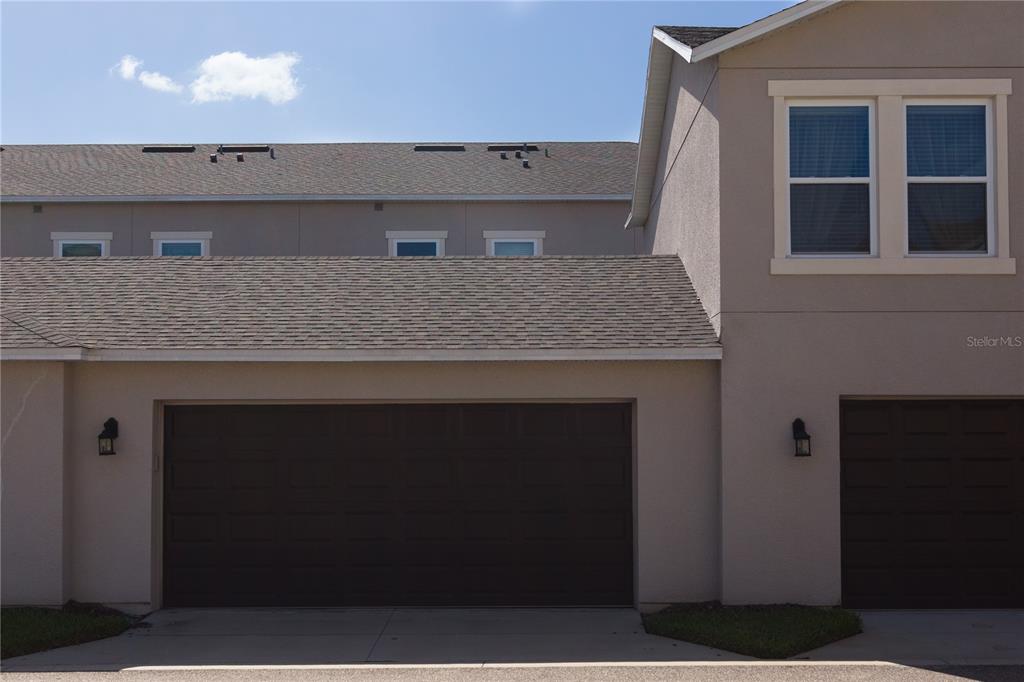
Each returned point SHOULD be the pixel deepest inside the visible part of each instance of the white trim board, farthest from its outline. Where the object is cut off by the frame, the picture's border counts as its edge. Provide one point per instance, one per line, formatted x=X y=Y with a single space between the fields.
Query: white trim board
x=272 y=355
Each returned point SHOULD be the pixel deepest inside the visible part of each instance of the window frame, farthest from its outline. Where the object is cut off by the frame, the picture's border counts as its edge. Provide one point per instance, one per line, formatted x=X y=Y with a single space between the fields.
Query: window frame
x=161 y=238
x=59 y=239
x=988 y=178
x=396 y=237
x=872 y=177
x=890 y=167
x=535 y=237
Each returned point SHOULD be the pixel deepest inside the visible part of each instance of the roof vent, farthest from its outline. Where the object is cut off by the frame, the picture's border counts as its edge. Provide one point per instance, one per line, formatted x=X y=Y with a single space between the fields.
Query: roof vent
x=526 y=163
x=239 y=158
x=519 y=154
x=439 y=148
x=504 y=155
x=513 y=147
x=169 y=148
x=213 y=158
x=228 y=148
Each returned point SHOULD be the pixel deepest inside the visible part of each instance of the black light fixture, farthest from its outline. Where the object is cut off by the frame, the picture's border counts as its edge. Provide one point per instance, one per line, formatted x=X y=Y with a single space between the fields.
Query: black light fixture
x=801 y=438
x=107 y=437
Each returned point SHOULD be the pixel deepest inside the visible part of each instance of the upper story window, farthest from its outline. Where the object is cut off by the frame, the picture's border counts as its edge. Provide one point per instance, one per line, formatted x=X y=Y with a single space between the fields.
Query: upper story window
x=891 y=176
x=81 y=244
x=949 y=178
x=830 y=179
x=514 y=242
x=181 y=243
x=416 y=242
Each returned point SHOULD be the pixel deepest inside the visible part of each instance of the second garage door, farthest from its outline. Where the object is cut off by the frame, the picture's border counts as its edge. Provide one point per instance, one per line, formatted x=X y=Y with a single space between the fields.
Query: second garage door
x=933 y=503
x=474 y=504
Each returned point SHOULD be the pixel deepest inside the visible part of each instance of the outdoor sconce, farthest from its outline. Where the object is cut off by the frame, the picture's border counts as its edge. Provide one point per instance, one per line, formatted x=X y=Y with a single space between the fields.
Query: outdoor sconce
x=801 y=438
x=107 y=437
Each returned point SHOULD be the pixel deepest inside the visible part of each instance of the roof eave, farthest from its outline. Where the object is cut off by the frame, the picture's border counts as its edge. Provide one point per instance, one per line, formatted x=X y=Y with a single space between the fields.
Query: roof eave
x=177 y=198
x=357 y=355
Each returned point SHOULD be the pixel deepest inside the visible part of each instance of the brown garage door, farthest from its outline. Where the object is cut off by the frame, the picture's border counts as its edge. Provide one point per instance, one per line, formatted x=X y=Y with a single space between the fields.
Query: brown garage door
x=478 y=504
x=933 y=503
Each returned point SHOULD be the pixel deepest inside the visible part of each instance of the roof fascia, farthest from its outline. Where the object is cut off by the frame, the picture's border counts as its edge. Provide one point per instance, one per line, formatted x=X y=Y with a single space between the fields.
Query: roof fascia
x=175 y=198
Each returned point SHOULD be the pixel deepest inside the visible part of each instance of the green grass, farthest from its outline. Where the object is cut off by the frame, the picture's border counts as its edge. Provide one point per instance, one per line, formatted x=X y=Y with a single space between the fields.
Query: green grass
x=24 y=629
x=769 y=631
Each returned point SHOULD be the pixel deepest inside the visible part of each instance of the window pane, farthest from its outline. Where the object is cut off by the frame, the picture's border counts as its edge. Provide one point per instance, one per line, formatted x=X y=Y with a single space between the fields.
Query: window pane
x=88 y=249
x=513 y=248
x=948 y=217
x=181 y=249
x=946 y=141
x=416 y=248
x=828 y=142
x=830 y=218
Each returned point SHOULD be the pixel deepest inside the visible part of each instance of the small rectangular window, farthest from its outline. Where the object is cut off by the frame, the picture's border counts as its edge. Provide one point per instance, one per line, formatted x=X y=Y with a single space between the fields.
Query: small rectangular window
x=830 y=179
x=510 y=247
x=409 y=247
x=175 y=248
x=948 y=178
x=181 y=243
x=416 y=242
x=81 y=244
x=76 y=249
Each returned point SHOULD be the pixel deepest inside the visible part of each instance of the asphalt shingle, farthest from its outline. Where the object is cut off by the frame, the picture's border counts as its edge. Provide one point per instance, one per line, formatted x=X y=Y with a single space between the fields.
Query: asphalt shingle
x=695 y=36
x=345 y=170
x=278 y=303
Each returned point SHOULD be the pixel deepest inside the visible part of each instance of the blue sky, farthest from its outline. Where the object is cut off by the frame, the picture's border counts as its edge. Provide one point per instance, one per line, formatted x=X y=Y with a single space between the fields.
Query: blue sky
x=322 y=72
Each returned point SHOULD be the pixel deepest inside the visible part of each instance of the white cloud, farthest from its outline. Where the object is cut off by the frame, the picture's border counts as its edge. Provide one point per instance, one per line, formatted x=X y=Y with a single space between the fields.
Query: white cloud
x=159 y=82
x=126 y=67
x=228 y=75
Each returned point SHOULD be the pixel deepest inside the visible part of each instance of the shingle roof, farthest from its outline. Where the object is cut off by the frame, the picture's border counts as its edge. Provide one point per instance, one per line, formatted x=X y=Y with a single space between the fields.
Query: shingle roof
x=695 y=36
x=556 y=302
x=344 y=170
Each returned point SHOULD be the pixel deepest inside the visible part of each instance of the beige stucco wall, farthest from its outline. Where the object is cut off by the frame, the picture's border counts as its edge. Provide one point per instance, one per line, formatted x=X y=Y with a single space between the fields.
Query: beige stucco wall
x=114 y=501
x=794 y=345
x=684 y=215
x=34 y=525
x=319 y=228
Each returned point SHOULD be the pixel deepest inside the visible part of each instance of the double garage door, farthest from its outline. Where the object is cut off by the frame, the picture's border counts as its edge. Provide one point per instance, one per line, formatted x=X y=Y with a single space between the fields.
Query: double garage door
x=933 y=503
x=425 y=504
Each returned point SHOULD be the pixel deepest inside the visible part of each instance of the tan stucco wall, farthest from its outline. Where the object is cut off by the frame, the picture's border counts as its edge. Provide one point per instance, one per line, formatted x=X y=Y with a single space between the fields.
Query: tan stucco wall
x=793 y=345
x=684 y=216
x=319 y=228
x=33 y=514
x=114 y=537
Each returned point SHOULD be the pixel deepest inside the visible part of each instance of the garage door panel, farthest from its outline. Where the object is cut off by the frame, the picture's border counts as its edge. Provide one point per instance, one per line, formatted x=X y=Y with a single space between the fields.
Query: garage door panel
x=427 y=504
x=932 y=502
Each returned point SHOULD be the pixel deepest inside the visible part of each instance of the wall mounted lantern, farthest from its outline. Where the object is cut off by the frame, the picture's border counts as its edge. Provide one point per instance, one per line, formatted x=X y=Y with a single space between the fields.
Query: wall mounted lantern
x=107 y=437
x=801 y=438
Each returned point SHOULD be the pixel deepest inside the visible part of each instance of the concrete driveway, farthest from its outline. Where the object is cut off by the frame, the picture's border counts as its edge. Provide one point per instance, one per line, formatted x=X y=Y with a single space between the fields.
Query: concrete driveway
x=932 y=638
x=290 y=637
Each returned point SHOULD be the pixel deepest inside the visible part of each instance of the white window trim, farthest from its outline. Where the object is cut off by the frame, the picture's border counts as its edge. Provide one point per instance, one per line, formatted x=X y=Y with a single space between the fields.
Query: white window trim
x=988 y=179
x=890 y=168
x=396 y=237
x=535 y=237
x=871 y=181
x=101 y=238
x=160 y=238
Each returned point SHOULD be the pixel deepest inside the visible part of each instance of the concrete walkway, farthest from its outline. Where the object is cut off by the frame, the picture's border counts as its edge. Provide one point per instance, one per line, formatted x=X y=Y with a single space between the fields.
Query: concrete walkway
x=932 y=638
x=283 y=637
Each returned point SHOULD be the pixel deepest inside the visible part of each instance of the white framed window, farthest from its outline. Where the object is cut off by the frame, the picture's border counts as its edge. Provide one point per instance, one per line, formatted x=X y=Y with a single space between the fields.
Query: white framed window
x=416 y=242
x=81 y=244
x=950 y=195
x=831 y=177
x=514 y=242
x=938 y=178
x=181 y=243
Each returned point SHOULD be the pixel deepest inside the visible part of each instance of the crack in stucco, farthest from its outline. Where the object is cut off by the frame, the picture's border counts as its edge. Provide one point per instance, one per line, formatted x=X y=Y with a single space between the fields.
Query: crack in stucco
x=21 y=408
